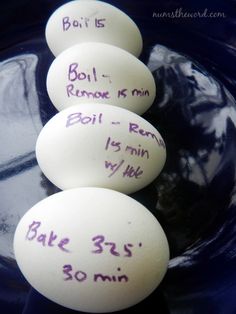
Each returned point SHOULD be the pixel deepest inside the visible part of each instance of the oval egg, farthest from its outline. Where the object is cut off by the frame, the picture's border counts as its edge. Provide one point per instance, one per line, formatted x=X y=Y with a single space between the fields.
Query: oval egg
x=91 y=249
x=94 y=21
x=100 y=145
x=96 y=72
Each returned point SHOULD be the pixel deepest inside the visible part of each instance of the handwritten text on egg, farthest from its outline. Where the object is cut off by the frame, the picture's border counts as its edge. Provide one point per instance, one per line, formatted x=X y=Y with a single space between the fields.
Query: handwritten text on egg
x=75 y=74
x=99 y=242
x=81 y=23
x=92 y=119
x=127 y=170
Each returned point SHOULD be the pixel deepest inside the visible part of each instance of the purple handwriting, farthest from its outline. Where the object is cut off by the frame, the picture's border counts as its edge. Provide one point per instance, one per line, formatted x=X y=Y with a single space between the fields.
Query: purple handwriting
x=113 y=167
x=80 y=93
x=75 y=74
x=99 y=242
x=116 y=146
x=124 y=92
x=129 y=171
x=113 y=145
x=137 y=151
x=72 y=91
x=82 y=22
x=78 y=117
x=50 y=239
x=140 y=92
x=80 y=276
x=101 y=246
x=135 y=128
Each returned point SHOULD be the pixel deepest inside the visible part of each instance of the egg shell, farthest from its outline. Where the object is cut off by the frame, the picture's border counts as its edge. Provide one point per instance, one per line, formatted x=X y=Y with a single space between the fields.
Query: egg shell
x=94 y=21
x=91 y=249
x=97 y=72
x=100 y=145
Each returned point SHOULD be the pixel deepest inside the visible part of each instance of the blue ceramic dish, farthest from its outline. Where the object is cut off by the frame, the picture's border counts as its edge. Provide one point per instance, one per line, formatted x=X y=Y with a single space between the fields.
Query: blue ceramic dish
x=193 y=60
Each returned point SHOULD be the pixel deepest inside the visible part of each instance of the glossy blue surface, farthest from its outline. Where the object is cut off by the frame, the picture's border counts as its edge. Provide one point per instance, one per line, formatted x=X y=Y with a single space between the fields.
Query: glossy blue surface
x=194 y=198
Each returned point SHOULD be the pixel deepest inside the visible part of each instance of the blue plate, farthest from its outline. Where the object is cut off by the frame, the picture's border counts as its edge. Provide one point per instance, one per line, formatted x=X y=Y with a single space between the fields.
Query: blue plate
x=191 y=50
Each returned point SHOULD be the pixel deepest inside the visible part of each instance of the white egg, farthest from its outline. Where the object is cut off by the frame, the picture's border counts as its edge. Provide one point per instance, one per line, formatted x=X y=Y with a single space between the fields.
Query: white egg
x=97 y=72
x=94 y=21
x=100 y=145
x=91 y=249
